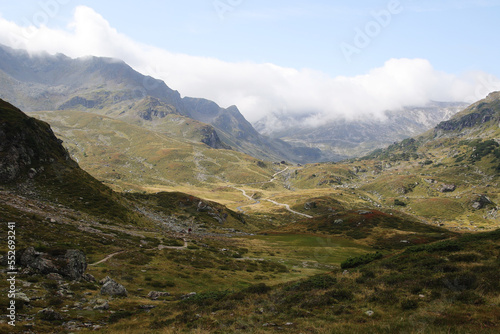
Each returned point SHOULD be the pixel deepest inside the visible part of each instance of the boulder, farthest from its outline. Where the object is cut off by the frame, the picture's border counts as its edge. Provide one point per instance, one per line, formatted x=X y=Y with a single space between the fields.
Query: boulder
x=310 y=205
x=112 y=288
x=71 y=264
x=154 y=295
x=37 y=261
x=89 y=278
x=447 y=188
x=480 y=202
x=101 y=304
x=75 y=264
x=49 y=314
x=22 y=297
x=189 y=295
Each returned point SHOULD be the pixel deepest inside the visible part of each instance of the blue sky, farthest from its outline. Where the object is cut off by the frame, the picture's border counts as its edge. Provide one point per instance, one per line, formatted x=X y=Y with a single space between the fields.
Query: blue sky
x=333 y=39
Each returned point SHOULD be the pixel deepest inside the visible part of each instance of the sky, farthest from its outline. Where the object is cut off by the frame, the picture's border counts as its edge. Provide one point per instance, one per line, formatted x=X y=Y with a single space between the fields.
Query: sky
x=319 y=59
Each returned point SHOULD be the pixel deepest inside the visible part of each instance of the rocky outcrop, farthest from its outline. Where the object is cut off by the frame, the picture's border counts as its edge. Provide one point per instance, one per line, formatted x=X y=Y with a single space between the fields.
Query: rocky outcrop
x=71 y=264
x=480 y=202
x=210 y=137
x=26 y=145
x=154 y=295
x=75 y=264
x=112 y=288
x=447 y=188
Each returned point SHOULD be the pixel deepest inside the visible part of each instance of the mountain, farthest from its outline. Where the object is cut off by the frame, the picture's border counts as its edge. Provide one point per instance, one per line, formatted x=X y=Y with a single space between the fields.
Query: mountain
x=448 y=176
x=110 y=87
x=342 y=138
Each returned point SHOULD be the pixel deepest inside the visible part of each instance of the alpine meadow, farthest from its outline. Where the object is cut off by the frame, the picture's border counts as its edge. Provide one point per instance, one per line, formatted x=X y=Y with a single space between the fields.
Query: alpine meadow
x=291 y=198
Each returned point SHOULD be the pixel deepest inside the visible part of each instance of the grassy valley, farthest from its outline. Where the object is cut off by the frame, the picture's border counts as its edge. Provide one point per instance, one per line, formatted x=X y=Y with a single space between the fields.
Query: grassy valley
x=212 y=240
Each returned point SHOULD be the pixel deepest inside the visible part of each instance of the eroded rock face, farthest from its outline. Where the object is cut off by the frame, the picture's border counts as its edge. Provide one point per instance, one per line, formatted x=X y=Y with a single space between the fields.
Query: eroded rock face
x=26 y=145
x=72 y=264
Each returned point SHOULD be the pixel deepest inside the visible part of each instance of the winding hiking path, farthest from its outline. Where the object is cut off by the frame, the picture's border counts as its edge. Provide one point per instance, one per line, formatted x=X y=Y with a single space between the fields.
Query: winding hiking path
x=287 y=207
x=106 y=258
x=160 y=247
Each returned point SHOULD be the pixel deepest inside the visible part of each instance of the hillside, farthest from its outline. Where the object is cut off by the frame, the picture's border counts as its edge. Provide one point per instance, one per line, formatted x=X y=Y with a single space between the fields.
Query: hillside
x=446 y=177
x=173 y=259
x=109 y=87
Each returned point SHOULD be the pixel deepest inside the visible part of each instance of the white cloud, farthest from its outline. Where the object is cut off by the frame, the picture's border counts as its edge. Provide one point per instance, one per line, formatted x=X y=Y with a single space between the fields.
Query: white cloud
x=258 y=89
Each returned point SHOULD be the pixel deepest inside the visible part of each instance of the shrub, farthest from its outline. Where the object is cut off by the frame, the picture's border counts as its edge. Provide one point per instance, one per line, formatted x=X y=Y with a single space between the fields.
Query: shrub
x=206 y=298
x=409 y=304
x=260 y=288
x=399 y=203
x=318 y=282
x=470 y=297
x=447 y=245
x=340 y=294
x=360 y=260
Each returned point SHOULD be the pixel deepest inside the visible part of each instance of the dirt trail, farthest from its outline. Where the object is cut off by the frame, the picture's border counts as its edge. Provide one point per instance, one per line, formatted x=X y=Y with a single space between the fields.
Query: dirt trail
x=106 y=258
x=160 y=247
x=287 y=207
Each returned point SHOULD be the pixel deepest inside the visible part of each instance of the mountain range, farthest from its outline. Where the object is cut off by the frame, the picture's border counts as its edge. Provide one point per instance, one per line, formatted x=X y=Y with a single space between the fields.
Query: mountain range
x=112 y=88
x=343 y=138
x=109 y=87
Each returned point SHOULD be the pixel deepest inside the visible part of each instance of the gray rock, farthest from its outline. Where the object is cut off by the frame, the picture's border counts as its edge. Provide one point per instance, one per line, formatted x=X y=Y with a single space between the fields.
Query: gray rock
x=49 y=314
x=76 y=264
x=105 y=280
x=310 y=205
x=189 y=295
x=480 y=202
x=112 y=288
x=70 y=265
x=22 y=297
x=477 y=205
x=154 y=295
x=447 y=188
x=101 y=304
x=89 y=278
x=37 y=261
x=55 y=277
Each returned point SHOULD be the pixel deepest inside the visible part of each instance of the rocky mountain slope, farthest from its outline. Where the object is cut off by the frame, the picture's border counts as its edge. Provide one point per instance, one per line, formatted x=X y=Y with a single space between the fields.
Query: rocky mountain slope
x=340 y=139
x=110 y=87
x=448 y=176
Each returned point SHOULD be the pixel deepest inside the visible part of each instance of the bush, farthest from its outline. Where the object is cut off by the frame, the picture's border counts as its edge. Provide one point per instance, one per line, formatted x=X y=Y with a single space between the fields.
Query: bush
x=260 y=288
x=206 y=298
x=399 y=203
x=447 y=245
x=318 y=282
x=360 y=260
x=470 y=297
x=409 y=304
x=340 y=294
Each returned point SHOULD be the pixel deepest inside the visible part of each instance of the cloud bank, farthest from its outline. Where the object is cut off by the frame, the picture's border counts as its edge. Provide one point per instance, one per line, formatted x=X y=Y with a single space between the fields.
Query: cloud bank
x=258 y=89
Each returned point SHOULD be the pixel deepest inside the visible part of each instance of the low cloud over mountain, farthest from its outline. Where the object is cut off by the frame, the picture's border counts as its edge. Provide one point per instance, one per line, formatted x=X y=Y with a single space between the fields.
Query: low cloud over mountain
x=259 y=89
